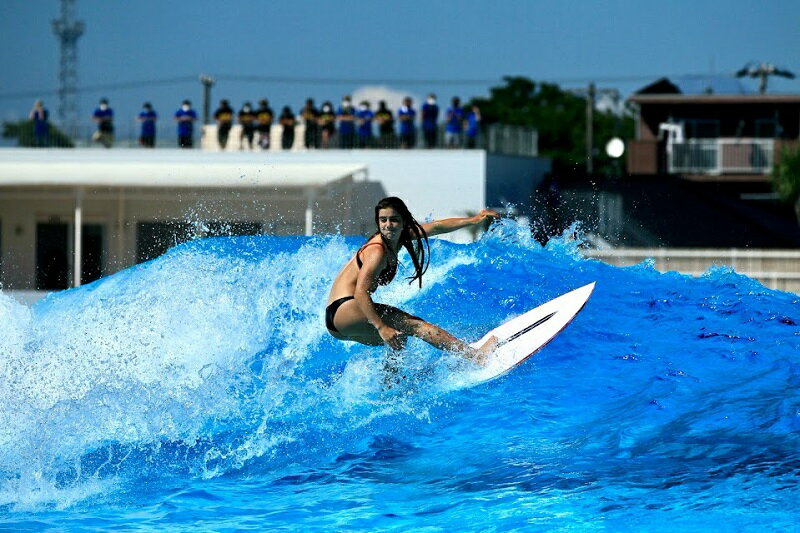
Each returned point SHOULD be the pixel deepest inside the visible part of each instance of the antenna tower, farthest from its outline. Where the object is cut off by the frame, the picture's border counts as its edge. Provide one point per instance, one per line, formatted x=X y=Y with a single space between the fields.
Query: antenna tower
x=68 y=30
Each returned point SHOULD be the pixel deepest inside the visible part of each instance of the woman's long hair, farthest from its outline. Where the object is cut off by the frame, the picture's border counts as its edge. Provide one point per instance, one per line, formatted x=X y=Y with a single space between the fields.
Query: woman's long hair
x=413 y=238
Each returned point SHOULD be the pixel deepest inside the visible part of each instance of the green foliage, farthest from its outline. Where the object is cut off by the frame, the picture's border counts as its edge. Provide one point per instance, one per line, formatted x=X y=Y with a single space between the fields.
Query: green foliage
x=23 y=132
x=786 y=175
x=560 y=118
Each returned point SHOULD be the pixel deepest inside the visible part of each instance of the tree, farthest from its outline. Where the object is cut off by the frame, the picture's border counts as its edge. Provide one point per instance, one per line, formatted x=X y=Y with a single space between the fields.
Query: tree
x=786 y=178
x=560 y=118
x=23 y=132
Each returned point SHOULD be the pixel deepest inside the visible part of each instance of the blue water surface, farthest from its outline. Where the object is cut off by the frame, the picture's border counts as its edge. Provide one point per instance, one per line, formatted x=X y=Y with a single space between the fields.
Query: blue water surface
x=200 y=391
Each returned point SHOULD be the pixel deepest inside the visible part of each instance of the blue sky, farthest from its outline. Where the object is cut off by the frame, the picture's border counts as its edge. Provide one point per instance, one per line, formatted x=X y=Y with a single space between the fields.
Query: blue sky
x=454 y=48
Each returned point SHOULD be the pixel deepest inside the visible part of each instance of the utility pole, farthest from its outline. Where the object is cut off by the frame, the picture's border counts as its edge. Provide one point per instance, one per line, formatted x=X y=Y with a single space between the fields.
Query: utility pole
x=590 y=129
x=592 y=92
x=68 y=30
x=207 y=82
x=762 y=71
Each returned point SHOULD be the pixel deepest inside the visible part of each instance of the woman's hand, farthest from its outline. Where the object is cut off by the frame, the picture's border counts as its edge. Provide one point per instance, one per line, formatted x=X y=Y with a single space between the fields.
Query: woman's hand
x=486 y=213
x=393 y=338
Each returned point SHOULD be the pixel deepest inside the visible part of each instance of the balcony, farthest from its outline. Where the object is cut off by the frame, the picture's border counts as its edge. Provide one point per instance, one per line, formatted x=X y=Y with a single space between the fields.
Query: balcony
x=720 y=156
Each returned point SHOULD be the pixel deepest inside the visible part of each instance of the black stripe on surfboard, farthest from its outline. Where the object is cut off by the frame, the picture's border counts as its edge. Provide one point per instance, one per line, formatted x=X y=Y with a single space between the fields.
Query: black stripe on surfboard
x=526 y=329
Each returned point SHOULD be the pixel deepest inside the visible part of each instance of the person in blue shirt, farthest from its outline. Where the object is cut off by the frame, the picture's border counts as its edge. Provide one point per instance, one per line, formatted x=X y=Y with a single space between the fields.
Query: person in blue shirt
x=346 y=116
x=430 y=117
x=327 y=124
x=104 y=117
x=364 y=118
x=41 y=128
x=473 y=126
x=454 y=124
x=406 y=116
x=185 y=117
x=147 y=117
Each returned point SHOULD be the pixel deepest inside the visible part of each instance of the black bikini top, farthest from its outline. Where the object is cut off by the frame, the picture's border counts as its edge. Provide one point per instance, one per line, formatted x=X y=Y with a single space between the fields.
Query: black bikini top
x=387 y=274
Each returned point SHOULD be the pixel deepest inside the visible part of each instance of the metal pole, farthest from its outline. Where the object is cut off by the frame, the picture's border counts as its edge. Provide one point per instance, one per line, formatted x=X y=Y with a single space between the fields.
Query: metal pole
x=78 y=236
x=207 y=82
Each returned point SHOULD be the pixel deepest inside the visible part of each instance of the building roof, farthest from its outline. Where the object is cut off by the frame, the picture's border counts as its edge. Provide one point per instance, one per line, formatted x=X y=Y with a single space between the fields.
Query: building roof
x=162 y=169
x=696 y=85
x=716 y=98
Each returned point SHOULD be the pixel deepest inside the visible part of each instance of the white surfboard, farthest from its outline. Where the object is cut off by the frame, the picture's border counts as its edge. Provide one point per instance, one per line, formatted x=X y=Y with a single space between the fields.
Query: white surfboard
x=521 y=337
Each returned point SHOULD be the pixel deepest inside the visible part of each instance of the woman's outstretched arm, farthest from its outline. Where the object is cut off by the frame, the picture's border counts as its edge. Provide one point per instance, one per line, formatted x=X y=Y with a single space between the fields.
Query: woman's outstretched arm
x=447 y=225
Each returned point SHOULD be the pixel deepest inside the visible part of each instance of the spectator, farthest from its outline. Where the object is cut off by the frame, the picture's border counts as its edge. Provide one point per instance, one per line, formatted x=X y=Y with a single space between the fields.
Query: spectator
x=347 y=127
x=147 y=117
x=247 y=119
x=185 y=117
x=264 y=116
x=104 y=117
x=406 y=115
x=39 y=116
x=327 y=124
x=311 y=116
x=288 y=122
x=430 y=117
x=364 y=118
x=385 y=120
x=473 y=126
x=454 y=124
x=224 y=117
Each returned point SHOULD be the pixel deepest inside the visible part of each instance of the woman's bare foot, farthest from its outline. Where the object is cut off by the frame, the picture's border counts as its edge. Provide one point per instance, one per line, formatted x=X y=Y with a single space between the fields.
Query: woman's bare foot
x=483 y=352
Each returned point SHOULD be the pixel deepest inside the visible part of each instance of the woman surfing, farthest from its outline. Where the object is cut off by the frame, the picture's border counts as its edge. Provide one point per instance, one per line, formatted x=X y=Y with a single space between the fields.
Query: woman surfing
x=352 y=315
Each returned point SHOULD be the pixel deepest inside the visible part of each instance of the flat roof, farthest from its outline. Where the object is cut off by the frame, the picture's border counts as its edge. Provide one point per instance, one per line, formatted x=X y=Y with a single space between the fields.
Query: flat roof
x=162 y=168
x=715 y=98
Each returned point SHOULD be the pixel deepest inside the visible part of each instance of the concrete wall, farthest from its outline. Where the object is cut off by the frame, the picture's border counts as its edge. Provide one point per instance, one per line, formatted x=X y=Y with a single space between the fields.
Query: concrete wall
x=433 y=183
x=513 y=180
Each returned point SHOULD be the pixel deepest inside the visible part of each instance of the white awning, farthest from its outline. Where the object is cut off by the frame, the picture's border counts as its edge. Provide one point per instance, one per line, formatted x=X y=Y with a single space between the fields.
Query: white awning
x=163 y=169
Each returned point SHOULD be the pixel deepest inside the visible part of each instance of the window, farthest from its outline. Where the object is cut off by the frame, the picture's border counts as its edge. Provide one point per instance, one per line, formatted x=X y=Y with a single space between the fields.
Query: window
x=155 y=238
x=702 y=129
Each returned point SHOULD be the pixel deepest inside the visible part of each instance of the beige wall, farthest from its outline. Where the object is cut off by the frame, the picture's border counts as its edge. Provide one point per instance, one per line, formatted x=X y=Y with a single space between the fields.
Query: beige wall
x=281 y=212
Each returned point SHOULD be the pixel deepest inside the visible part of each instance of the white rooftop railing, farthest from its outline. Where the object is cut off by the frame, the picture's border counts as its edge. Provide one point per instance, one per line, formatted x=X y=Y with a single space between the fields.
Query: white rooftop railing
x=721 y=156
x=776 y=269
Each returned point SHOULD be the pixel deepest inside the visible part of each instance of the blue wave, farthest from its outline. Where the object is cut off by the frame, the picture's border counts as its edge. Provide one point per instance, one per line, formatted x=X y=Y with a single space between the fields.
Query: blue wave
x=211 y=363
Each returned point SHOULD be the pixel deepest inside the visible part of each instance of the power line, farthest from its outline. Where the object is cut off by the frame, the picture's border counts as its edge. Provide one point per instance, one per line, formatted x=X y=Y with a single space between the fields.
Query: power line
x=347 y=81
x=103 y=87
x=424 y=81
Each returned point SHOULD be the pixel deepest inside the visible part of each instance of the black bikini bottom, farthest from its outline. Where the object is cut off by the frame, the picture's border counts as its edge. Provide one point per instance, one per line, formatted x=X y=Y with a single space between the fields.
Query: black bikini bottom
x=330 y=312
x=382 y=310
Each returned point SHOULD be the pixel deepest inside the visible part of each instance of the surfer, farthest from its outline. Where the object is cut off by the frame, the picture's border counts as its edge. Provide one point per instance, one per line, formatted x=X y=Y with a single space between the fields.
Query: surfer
x=351 y=313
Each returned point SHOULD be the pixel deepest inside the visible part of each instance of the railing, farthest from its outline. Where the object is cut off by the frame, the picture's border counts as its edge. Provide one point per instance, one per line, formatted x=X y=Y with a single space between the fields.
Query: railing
x=721 y=156
x=512 y=140
x=776 y=269
x=495 y=138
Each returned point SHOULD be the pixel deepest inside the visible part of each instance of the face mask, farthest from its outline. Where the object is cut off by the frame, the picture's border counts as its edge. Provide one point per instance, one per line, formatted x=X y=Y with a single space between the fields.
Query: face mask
x=185 y=107
x=364 y=108
x=345 y=103
x=431 y=101
x=327 y=108
x=247 y=108
x=103 y=107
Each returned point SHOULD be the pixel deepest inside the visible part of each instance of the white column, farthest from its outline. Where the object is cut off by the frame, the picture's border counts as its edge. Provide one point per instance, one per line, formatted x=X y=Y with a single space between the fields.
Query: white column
x=309 y=212
x=77 y=239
